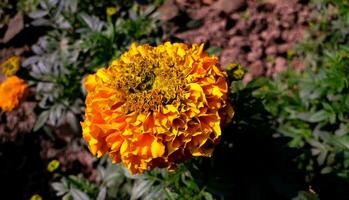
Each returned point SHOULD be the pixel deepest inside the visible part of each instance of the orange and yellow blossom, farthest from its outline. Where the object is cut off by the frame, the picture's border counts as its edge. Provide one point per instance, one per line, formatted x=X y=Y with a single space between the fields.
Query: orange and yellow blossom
x=12 y=92
x=156 y=106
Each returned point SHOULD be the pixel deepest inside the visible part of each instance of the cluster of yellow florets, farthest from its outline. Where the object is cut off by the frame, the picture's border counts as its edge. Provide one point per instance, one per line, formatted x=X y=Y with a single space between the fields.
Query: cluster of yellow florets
x=156 y=106
x=10 y=66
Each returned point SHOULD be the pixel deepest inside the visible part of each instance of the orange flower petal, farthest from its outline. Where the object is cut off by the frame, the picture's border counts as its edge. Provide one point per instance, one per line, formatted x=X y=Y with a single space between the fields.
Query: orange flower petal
x=157 y=149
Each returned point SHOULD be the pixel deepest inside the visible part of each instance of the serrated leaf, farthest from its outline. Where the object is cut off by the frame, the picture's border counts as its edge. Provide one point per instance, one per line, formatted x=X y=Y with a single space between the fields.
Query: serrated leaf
x=321 y=157
x=41 y=120
x=67 y=197
x=140 y=187
x=36 y=49
x=318 y=116
x=170 y=195
x=78 y=195
x=315 y=143
x=207 y=196
x=62 y=23
x=326 y=170
x=343 y=130
x=214 y=50
x=113 y=179
x=102 y=194
x=155 y=193
x=59 y=188
x=72 y=5
x=73 y=121
x=31 y=60
x=37 y=14
x=41 y=22
x=342 y=141
x=93 y=22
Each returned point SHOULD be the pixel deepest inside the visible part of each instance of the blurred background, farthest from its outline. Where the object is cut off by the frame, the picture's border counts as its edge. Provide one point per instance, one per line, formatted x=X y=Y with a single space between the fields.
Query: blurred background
x=289 y=138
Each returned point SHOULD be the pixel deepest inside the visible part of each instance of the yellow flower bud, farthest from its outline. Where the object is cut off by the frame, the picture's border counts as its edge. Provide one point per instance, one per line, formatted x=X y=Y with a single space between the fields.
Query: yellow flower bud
x=111 y=11
x=36 y=197
x=53 y=165
x=11 y=66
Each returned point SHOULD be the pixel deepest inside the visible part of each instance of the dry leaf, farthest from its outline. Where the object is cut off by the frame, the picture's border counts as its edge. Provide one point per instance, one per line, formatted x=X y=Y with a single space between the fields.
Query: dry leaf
x=15 y=26
x=168 y=11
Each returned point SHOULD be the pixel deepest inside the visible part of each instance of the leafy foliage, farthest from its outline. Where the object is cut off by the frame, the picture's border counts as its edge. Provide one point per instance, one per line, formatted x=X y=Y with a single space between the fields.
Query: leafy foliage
x=312 y=107
x=117 y=183
x=76 y=44
x=328 y=30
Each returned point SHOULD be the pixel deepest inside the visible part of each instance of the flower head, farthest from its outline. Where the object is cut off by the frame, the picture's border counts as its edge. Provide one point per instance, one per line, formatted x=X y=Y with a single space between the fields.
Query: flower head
x=10 y=66
x=235 y=71
x=53 y=165
x=36 y=197
x=12 y=92
x=156 y=106
x=111 y=11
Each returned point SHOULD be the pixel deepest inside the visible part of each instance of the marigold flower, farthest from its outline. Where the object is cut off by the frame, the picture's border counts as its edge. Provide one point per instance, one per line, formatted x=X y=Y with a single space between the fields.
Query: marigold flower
x=156 y=106
x=11 y=66
x=12 y=92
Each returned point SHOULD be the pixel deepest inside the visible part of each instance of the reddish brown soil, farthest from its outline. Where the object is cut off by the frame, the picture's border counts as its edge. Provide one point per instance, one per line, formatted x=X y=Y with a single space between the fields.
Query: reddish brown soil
x=256 y=34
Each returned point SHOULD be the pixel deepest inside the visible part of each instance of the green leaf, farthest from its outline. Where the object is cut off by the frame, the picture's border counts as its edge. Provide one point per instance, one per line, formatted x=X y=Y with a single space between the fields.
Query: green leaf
x=141 y=187
x=102 y=194
x=67 y=197
x=321 y=157
x=170 y=195
x=318 y=116
x=207 y=196
x=156 y=192
x=59 y=188
x=342 y=130
x=214 y=50
x=37 y=14
x=326 y=170
x=78 y=195
x=41 y=120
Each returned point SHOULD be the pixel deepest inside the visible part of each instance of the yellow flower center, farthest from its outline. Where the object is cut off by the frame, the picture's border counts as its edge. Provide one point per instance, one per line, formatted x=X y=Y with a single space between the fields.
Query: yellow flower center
x=151 y=82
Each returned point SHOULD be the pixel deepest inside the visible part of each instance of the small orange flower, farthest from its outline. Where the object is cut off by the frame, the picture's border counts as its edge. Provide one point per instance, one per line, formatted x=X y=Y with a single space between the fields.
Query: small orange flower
x=156 y=106
x=12 y=92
